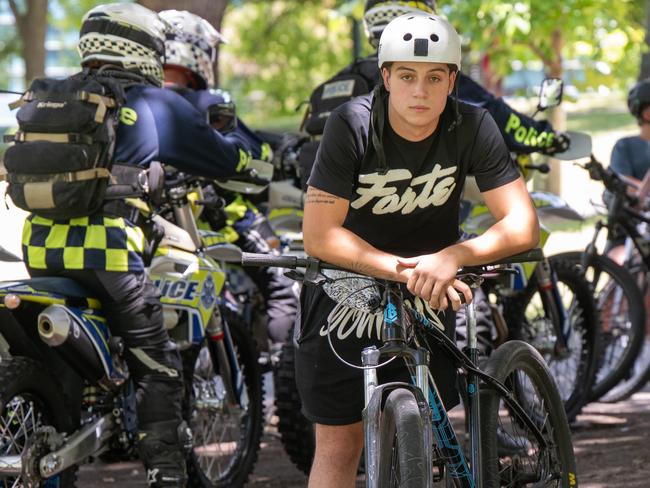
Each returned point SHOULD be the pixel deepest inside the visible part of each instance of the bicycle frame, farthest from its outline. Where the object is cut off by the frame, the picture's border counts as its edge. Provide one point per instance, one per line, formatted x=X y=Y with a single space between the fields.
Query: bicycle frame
x=431 y=408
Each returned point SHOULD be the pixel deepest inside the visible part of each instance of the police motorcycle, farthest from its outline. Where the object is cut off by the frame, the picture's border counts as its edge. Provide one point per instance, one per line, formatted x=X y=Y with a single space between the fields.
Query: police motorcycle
x=65 y=393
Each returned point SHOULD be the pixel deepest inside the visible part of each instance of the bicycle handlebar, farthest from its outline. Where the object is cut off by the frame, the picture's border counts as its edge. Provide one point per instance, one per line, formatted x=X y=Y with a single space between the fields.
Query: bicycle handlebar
x=293 y=262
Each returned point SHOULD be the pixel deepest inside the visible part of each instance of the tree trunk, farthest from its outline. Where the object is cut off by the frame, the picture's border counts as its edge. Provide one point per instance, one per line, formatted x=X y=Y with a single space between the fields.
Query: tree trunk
x=644 y=72
x=557 y=116
x=32 y=27
x=211 y=10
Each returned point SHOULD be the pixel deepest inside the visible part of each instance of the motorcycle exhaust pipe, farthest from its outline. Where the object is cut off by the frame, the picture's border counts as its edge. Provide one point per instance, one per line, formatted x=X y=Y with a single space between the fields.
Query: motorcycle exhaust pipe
x=58 y=328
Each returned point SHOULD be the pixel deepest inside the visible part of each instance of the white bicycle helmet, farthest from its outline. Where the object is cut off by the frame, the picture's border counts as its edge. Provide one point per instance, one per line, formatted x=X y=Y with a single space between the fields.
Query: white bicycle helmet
x=192 y=44
x=419 y=37
x=124 y=34
x=378 y=13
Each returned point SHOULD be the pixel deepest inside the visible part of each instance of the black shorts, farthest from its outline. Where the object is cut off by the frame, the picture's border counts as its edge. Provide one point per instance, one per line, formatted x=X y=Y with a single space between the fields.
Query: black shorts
x=332 y=393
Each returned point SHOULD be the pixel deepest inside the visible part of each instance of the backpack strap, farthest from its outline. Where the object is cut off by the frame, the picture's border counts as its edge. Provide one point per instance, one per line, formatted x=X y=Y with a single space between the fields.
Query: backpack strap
x=66 y=138
x=68 y=177
x=103 y=103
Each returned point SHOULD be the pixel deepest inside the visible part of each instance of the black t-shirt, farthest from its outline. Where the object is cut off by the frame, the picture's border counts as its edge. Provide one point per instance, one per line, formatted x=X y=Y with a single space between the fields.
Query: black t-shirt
x=413 y=209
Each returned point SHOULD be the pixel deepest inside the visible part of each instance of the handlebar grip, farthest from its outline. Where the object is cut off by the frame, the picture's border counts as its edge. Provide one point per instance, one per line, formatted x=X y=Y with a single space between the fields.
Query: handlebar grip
x=532 y=255
x=268 y=260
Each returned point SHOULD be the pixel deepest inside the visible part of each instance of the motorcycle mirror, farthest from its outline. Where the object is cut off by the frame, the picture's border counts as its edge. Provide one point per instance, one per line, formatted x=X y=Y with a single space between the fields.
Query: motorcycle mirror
x=580 y=147
x=228 y=253
x=550 y=93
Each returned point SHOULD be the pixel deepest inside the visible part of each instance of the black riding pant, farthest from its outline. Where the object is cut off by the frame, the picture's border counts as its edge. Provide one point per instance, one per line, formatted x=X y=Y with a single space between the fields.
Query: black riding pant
x=131 y=305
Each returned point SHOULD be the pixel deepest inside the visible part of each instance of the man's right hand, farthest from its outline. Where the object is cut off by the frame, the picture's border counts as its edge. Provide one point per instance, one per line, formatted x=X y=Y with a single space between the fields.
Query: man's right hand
x=434 y=279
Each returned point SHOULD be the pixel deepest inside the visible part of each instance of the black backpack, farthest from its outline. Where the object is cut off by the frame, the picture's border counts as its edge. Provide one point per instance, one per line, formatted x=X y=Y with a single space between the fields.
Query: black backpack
x=59 y=166
x=357 y=79
x=329 y=95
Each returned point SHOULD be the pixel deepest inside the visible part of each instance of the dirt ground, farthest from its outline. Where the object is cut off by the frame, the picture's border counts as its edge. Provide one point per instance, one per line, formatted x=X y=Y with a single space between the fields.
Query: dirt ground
x=611 y=442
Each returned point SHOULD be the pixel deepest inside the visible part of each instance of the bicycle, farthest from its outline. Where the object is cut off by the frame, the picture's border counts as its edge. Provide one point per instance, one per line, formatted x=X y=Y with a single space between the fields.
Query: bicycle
x=515 y=384
x=619 y=299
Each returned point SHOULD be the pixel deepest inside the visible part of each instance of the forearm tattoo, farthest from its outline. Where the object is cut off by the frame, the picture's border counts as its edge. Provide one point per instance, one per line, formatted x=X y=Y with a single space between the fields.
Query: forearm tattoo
x=316 y=196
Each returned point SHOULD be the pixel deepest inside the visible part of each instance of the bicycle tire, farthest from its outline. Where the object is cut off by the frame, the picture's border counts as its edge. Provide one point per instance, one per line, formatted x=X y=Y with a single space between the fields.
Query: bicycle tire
x=639 y=374
x=612 y=369
x=401 y=452
x=508 y=364
x=584 y=318
x=637 y=378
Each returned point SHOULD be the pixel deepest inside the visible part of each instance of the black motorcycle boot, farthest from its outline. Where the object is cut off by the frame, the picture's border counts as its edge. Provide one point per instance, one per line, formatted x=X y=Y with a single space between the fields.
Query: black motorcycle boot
x=164 y=448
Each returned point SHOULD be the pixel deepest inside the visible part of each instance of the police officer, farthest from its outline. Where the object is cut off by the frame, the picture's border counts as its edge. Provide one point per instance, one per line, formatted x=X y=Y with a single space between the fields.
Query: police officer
x=189 y=71
x=104 y=251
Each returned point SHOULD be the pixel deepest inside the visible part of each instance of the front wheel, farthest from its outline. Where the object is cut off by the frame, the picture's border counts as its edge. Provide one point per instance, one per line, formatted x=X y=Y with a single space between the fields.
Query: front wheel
x=512 y=454
x=226 y=438
x=402 y=459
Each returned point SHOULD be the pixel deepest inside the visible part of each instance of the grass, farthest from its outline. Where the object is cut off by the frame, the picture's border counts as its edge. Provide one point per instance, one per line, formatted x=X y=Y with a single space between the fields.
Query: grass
x=286 y=123
x=599 y=120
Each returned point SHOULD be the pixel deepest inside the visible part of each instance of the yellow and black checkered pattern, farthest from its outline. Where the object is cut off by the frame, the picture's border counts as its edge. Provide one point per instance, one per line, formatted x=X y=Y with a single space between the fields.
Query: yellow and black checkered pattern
x=94 y=242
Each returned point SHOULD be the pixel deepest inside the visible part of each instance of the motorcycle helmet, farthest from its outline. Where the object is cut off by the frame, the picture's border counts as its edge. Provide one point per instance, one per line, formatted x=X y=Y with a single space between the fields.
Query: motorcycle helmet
x=191 y=45
x=378 y=13
x=127 y=35
x=638 y=98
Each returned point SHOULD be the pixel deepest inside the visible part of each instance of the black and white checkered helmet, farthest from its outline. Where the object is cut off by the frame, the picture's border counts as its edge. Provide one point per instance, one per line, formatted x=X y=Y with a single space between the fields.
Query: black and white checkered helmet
x=191 y=44
x=378 y=13
x=127 y=35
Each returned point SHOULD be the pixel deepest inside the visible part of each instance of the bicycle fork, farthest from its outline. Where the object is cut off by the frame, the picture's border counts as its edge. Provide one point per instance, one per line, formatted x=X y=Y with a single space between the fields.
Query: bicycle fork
x=374 y=395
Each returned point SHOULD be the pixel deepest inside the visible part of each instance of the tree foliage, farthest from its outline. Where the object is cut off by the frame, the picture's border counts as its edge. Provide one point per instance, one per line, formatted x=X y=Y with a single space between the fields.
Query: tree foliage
x=34 y=20
x=591 y=30
x=280 y=51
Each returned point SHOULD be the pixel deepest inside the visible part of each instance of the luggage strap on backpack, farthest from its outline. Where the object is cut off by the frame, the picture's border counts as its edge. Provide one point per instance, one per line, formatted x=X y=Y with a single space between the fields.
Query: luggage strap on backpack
x=65 y=138
x=70 y=177
x=103 y=103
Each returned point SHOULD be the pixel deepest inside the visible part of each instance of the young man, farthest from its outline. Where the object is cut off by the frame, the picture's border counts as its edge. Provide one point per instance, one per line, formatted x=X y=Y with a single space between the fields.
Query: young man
x=103 y=252
x=189 y=72
x=390 y=210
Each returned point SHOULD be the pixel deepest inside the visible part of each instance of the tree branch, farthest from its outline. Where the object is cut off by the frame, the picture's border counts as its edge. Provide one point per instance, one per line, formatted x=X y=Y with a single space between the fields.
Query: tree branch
x=20 y=19
x=536 y=49
x=14 y=9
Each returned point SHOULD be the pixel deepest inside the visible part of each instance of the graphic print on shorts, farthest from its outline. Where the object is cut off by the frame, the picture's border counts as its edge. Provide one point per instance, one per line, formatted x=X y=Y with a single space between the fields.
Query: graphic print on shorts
x=344 y=322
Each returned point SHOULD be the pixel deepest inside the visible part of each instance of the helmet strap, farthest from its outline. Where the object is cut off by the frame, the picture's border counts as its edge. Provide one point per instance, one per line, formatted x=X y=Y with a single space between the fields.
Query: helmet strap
x=377 y=121
x=458 y=118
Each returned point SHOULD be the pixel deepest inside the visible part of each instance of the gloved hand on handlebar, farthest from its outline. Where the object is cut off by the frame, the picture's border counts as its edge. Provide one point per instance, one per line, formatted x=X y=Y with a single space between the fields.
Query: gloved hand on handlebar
x=559 y=144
